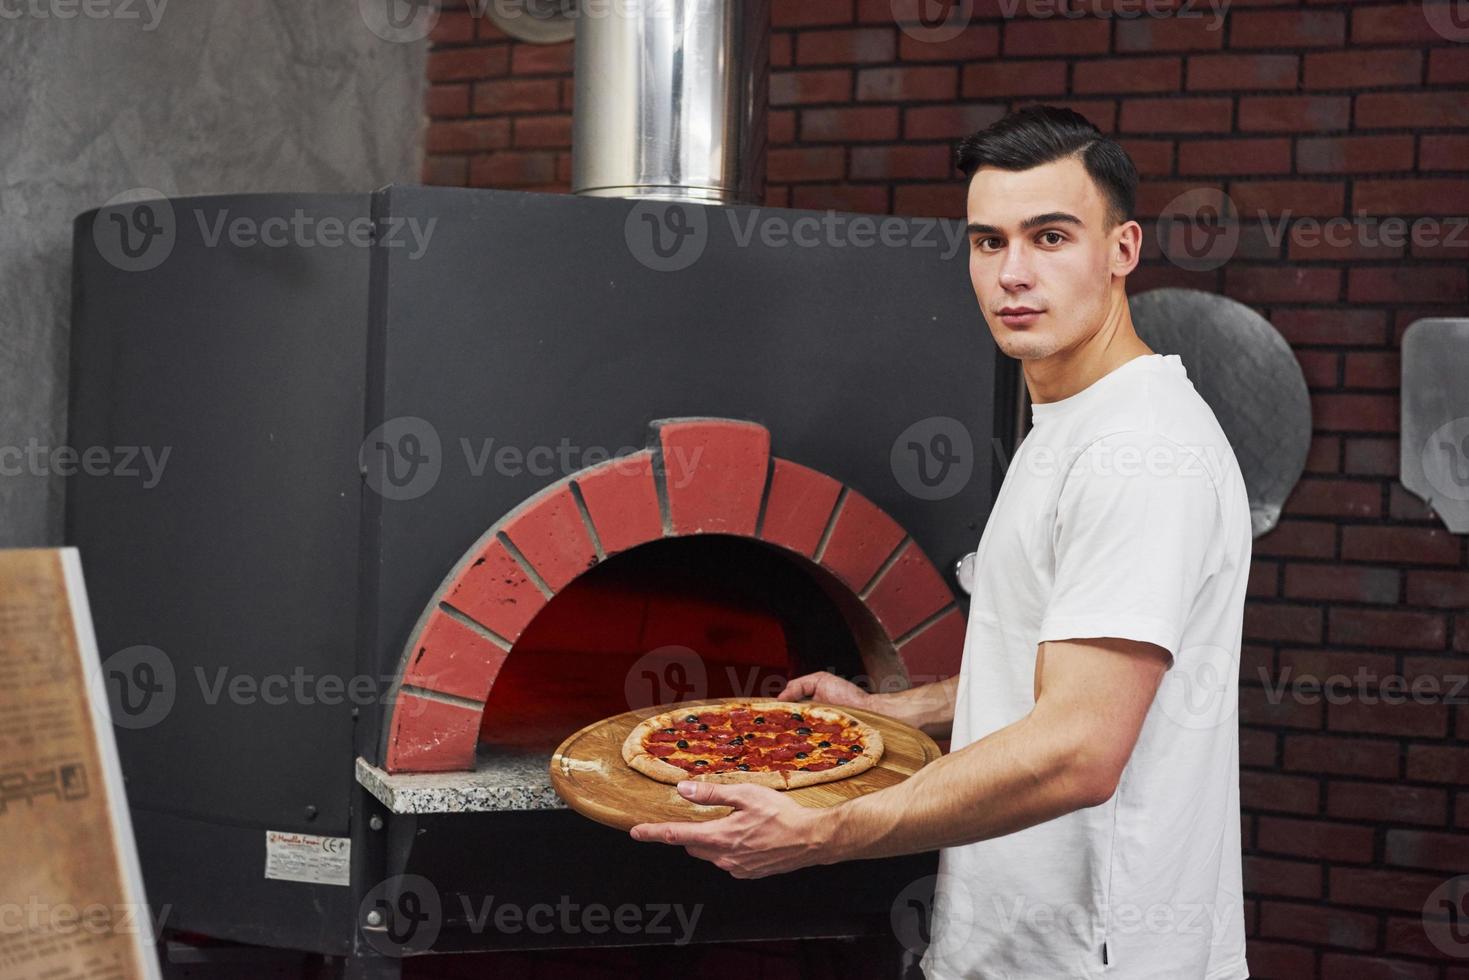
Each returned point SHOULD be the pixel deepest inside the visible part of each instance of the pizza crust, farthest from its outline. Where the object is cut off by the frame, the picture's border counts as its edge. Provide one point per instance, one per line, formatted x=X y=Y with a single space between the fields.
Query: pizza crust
x=666 y=772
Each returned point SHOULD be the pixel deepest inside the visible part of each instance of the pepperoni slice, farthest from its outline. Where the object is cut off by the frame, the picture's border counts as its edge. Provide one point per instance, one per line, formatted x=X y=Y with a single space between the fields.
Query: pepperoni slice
x=819 y=766
x=662 y=751
x=665 y=736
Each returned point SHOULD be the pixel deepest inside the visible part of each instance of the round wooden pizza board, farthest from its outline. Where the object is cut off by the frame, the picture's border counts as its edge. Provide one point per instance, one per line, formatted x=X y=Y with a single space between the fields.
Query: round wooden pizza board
x=588 y=772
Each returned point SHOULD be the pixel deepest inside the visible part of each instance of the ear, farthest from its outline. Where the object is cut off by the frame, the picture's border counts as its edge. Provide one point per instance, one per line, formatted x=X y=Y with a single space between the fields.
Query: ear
x=1127 y=239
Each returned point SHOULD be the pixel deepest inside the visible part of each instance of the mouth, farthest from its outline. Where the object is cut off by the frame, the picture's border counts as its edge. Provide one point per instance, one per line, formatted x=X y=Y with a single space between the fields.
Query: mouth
x=1019 y=316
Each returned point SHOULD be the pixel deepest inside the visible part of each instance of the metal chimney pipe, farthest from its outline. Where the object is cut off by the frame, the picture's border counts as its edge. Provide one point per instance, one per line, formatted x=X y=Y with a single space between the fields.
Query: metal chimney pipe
x=671 y=100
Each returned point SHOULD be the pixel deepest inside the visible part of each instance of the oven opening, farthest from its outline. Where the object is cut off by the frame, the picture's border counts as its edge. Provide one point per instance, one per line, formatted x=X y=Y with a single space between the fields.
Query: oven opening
x=705 y=615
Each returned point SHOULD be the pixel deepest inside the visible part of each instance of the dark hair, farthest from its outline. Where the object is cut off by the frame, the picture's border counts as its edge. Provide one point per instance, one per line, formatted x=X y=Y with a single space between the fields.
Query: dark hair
x=1038 y=134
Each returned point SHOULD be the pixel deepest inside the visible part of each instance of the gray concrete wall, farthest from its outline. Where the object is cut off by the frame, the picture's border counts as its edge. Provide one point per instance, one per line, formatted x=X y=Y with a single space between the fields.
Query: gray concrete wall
x=186 y=97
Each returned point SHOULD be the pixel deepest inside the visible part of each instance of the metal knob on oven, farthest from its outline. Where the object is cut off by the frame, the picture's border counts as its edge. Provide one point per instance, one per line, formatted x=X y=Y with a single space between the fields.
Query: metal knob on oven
x=964 y=573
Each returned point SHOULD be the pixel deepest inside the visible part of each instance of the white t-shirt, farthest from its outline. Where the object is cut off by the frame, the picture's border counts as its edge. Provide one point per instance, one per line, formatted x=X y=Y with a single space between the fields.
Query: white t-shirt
x=1122 y=514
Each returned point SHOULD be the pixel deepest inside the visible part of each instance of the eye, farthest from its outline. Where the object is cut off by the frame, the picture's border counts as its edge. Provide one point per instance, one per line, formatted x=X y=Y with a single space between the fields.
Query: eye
x=988 y=244
x=1052 y=237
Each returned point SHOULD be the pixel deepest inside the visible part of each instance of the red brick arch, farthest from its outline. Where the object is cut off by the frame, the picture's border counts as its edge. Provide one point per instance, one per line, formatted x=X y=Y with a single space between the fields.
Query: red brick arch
x=697 y=476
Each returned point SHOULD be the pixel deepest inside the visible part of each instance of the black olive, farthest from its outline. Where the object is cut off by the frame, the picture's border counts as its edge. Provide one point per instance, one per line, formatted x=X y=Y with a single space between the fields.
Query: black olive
x=800 y=755
x=759 y=719
x=682 y=743
x=841 y=762
x=691 y=718
x=856 y=748
x=803 y=731
x=670 y=730
x=737 y=740
x=796 y=717
x=703 y=728
x=730 y=758
x=823 y=745
x=805 y=768
x=743 y=766
x=701 y=762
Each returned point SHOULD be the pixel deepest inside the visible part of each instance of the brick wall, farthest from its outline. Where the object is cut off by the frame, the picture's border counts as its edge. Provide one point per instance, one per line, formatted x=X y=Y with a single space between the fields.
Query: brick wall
x=1354 y=811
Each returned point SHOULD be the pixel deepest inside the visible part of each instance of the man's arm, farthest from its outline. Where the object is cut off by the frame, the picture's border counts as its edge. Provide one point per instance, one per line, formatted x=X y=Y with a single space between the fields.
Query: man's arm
x=928 y=707
x=1068 y=753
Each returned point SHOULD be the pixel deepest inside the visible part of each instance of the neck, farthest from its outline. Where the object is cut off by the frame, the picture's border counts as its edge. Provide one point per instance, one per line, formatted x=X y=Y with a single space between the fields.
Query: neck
x=1068 y=371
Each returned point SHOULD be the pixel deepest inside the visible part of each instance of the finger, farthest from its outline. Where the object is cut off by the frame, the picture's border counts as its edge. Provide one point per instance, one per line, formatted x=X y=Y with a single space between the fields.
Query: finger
x=800 y=687
x=675 y=832
x=737 y=795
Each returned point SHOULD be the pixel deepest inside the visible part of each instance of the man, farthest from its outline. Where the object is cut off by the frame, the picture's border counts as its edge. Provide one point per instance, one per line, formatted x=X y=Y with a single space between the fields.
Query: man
x=1088 y=812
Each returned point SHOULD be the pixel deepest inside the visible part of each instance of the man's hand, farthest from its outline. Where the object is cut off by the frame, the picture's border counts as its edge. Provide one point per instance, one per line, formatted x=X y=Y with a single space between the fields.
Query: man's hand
x=767 y=834
x=828 y=688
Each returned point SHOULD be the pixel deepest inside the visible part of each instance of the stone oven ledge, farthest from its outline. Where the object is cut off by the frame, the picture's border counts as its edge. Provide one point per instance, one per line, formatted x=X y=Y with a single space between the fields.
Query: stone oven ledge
x=502 y=779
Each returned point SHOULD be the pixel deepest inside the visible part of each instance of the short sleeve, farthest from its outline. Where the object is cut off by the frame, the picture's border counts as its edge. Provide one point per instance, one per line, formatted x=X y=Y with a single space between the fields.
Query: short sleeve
x=1137 y=531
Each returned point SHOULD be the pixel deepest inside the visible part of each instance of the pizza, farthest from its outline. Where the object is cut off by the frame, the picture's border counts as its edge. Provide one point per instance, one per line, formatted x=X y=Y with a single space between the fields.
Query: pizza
x=780 y=744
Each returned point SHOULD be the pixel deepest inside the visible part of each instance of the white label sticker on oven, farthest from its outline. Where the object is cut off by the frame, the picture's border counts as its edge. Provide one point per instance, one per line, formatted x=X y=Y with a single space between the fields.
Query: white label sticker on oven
x=308 y=858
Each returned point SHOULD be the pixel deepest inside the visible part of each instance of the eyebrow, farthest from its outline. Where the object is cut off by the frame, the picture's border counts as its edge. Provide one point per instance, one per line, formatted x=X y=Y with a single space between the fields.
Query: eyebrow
x=1049 y=218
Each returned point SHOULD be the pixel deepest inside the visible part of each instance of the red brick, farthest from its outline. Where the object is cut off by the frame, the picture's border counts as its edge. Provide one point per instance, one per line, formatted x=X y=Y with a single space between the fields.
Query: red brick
x=1295 y=114
x=907 y=84
x=1373 y=370
x=1339 y=240
x=516 y=95
x=1335 y=326
x=1323 y=455
x=1446 y=590
x=802 y=87
x=468 y=135
x=1298 y=624
x=948 y=121
x=1257 y=747
x=1126 y=75
x=1372 y=457
x=794 y=164
x=798 y=506
x=1150 y=157
x=452 y=27
x=1320 y=370
x=1417 y=546
x=868 y=123
x=1269 y=876
x=935 y=200
x=622 y=501
x=543 y=131
x=1386 y=802
x=451 y=658
x=1272 y=284
x=1264 y=579
x=1341 y=755
x=1349 y=583
x=1234 y=156
x=1392 y=712
x=446 y=101
x=1382 y=889
x=1185 y=115
x=935 y=653
x=977 y=41
x=1388 y=628
x=908 y=592
x=1287 y=28
x=495 y=592
x=782 y=49
x=855 y=46
x=1347 y=69
x=1276 y=708
x=1354 y=154
x=445 y=171
x=1319 y=925
x=1392 y=25
x=902 y=162
x=1274 y=792
x=857 y=198
x=782 y=127
x=1410 y=110
x=1340 y=966
x=460 y=63
x=1051 y=37
x=862 y=538
x=1389 y=284
x=713 y=474
x=1232 y=72
x=999 y=79
x=513 y=169
x=1277 y=961
x=1298 y=539
x=548 y=531
x=1438 y=764
x=432 y=736
x=1293 y=197
x=540 y=59
x=1448 y=66
x=800 y=13
x=1354 y=413
x=1428 y=195
x=1175 y=33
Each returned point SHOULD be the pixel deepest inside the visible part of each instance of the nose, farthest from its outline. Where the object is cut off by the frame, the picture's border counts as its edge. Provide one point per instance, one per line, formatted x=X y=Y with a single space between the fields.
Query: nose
x=1015 y=271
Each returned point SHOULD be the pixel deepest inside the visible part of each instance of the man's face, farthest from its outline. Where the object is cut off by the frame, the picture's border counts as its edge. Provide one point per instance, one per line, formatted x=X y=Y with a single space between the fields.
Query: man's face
x=1059 y=266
